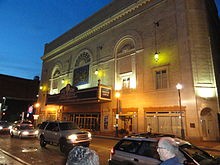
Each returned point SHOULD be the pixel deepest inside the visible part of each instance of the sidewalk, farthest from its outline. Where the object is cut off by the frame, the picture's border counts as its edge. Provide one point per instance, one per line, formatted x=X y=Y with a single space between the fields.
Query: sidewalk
x=8 y=159
x=206 y=145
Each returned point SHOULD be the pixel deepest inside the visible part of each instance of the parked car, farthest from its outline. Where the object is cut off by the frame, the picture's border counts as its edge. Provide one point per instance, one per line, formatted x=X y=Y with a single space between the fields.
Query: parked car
x=22 y=122
x=63 y=133
x=5 y=126
x=152 y=135
x=23 y=131
x=143 y=150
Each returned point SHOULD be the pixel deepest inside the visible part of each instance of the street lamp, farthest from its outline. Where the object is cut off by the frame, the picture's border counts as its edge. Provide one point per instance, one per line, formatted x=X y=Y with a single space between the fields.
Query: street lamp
x=2 y=107
x=179 y=87
x=117 y=95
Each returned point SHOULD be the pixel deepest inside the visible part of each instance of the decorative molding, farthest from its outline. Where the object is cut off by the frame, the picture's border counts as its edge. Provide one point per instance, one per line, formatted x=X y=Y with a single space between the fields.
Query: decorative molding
x=100 y=26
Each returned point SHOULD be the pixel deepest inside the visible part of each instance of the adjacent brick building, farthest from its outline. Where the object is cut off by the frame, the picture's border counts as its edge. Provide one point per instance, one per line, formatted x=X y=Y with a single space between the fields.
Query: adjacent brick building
x=16 y=96
x=114 y=50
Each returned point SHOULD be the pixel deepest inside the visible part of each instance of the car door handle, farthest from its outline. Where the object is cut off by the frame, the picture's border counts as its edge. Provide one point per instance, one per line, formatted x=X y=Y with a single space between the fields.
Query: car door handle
x=136 y=160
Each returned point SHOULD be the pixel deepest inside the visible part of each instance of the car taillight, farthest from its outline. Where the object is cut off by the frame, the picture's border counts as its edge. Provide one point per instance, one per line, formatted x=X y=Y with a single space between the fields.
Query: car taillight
x=112 y=151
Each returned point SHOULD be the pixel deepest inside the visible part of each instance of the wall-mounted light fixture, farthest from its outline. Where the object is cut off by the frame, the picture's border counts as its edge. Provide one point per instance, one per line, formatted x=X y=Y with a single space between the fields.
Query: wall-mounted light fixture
x=44 y=88
x=96 y=72
x=156 y=54
x=99 y=48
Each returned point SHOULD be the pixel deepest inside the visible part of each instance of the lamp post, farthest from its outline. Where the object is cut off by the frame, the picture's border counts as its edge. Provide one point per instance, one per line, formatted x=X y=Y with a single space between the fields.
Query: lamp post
x=2 y=107
x=117 y=95
x=36 y=113
x=179 y=87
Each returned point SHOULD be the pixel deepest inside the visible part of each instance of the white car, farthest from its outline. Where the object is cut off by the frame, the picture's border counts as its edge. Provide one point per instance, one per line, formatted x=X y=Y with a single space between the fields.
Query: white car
x=64 y=133
x=23 y=130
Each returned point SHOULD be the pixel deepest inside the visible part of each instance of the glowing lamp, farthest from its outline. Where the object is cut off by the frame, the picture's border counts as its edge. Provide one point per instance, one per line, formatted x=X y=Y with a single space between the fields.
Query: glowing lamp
x=96 y=72
x=156 y=56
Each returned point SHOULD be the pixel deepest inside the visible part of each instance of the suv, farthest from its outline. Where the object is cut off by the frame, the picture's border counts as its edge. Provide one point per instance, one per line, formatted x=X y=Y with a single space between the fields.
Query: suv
x=136 y=150
x=63 y=133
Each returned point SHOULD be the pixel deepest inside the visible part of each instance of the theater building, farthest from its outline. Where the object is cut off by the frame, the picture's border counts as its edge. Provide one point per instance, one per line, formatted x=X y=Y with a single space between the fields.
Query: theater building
x=141 y=49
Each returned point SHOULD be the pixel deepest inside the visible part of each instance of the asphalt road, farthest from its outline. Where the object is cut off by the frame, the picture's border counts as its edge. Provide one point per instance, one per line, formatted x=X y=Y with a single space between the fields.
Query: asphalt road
x=15 y=151
x=29 y=152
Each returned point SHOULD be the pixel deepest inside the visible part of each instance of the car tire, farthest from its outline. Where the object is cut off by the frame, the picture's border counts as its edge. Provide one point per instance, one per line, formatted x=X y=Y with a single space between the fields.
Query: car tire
x=87 y=145
x=43 y=143
x=63 y=146
x=20 y=136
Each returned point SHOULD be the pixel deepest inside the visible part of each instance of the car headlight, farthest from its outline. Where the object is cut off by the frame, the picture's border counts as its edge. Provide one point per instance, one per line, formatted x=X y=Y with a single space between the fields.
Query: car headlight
x=89 y=135
x=25 y=133
x=72 y=137
x=1 y=127
x=36 y=132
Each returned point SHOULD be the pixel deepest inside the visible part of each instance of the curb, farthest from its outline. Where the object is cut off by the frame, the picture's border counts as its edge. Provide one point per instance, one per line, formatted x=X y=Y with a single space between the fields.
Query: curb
x=14 y=157
x=107 y=137
x=209 y=149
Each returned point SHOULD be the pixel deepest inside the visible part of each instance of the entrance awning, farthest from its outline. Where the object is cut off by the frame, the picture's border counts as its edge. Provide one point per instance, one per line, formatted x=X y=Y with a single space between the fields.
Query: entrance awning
x=71 y=95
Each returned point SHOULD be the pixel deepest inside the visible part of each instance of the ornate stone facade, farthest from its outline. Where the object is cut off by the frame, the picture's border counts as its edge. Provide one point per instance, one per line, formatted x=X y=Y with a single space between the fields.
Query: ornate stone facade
x=118 y=44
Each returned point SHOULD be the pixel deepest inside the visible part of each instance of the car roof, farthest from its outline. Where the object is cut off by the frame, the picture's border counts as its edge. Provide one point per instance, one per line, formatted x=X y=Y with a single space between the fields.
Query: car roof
x=56 y=121
x=179 y=141
x=140 y=138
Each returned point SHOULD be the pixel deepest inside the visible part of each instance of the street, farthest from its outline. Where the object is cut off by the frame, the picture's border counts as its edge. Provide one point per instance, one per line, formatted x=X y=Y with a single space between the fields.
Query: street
x=15 y=151
x=29 y=151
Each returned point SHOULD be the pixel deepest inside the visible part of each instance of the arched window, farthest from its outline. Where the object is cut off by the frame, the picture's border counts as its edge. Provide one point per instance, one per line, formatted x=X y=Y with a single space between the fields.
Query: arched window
x=125 y=63
x=81 y=71
x=55 y=80
x=126 y=46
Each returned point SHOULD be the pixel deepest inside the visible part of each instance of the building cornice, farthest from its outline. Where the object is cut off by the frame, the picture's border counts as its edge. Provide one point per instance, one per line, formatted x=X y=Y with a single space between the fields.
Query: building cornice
x=99 y=28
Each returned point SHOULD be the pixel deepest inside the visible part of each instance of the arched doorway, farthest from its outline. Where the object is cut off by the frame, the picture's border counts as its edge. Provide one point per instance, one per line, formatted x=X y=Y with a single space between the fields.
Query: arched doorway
x=208 y=124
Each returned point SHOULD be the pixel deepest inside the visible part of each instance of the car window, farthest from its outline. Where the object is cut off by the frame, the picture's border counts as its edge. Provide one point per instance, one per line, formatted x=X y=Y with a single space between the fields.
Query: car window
x=51 y=126
x=148 y=149
x=68 y=126
x=25 y=127
x=129 y=146
x=43 y=125
x=3 y=123
x=197 y=154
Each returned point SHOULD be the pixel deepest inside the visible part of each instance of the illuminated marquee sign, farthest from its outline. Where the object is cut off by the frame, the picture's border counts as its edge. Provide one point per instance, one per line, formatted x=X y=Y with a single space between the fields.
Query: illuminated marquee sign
x=105 y=93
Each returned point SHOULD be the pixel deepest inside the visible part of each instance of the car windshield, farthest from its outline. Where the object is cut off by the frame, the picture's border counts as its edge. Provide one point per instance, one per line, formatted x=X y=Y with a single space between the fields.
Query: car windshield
x=68 y=126
x=197 y=154
x=26 y=127
x=4 y=123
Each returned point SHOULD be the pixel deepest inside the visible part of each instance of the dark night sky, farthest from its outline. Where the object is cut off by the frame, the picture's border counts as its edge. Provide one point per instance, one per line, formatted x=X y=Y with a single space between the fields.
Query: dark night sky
x=26 y=25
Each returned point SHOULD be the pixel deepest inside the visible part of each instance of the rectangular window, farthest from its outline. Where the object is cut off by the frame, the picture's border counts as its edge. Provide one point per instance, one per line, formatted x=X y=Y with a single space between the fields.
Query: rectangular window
x=126 y=82
x=161 y=79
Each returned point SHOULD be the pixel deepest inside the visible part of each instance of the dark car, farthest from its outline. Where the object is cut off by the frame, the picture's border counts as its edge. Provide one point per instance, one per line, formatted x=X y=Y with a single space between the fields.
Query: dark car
x=5 y=126
x=139 y=150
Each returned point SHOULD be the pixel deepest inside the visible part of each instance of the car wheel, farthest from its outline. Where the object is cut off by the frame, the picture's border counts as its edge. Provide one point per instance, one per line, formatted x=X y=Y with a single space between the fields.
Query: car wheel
x=87 y=145
x=43 y=143
x=20 y=136
x=63 y=146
